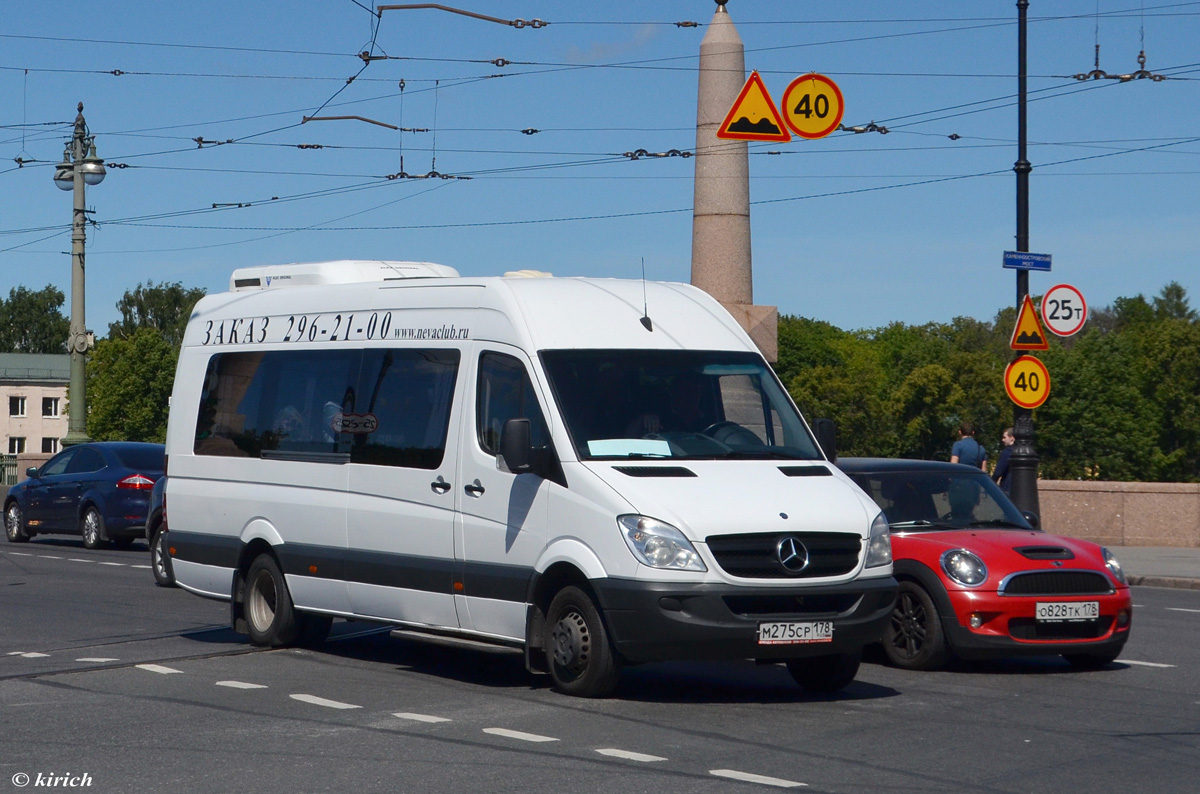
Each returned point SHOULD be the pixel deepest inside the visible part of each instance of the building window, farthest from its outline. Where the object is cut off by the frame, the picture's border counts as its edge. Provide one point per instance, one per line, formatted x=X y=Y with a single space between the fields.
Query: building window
x=49 y=446
x=49 y=406
x=16 y=444
x=16 y=406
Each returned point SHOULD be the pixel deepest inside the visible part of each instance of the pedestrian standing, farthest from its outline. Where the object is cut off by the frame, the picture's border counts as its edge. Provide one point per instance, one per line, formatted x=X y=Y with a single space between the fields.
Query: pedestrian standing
x=967 y=450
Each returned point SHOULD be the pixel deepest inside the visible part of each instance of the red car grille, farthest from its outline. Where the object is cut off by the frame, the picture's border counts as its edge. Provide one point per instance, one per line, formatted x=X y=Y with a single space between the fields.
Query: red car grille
x=1031 y=629
x=1057 y=583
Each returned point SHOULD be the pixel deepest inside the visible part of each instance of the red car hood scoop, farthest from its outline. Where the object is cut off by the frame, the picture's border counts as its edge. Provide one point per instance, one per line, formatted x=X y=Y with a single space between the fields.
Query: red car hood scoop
x=1045 y=552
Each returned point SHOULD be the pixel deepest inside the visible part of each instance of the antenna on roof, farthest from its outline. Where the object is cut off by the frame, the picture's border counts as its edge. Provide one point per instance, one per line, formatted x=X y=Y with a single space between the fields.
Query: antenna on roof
x=645 y=303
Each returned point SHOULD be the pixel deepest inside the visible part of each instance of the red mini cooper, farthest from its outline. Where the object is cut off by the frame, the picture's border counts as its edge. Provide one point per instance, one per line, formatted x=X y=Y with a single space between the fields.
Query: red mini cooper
x=977 y=577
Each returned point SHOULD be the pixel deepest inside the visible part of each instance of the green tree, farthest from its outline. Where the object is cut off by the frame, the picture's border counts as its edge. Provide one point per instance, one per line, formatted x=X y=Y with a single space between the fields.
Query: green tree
x=165 y=307
x=129 y=386
x=1172 y=303
x=31 y=322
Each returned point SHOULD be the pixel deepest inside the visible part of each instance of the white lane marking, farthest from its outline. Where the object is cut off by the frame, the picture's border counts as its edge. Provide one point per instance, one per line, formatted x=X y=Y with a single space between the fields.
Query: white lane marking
x=733 y=774
x=98 y=659
x=1144 y=664
x=524 y=737
x=629 y=755
x=117 y=564
x=49 y=557
x=329 y=704
x=1181 y=609
x=407 y=715
x=158 y=668
x=147 y=567
x=74 y=559
x=241 y=685
x=22 y=554
x=34 y=655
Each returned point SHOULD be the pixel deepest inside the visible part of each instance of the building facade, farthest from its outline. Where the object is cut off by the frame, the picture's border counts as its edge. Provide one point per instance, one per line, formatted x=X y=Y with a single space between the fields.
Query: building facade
x=33 y=402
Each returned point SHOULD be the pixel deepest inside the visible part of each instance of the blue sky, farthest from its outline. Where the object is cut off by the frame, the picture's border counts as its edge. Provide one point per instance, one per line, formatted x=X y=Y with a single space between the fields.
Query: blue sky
x=857 y=230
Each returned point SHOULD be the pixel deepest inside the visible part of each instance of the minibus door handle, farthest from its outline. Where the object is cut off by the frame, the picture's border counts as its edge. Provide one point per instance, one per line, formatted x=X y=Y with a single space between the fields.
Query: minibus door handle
x=440 y=485
x=474 y=489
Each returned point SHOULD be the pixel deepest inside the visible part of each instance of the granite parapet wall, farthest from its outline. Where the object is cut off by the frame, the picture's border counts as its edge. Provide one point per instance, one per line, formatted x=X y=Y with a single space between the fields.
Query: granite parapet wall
x=1122 y=513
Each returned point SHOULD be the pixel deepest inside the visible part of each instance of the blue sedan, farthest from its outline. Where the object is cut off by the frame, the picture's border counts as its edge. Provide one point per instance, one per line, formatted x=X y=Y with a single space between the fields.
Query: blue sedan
x=99 y=490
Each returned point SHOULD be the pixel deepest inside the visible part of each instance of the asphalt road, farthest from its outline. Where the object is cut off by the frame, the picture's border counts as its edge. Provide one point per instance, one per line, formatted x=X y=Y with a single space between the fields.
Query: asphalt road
x=144 y=689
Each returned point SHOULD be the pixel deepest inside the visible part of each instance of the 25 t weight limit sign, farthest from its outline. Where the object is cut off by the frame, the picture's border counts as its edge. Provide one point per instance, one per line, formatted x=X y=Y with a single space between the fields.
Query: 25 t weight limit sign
x=1027 y=382
x=1064 y=311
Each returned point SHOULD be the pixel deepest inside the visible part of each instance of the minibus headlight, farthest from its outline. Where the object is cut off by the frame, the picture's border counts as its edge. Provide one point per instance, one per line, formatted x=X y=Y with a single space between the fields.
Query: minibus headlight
x=879 y=546
x=659 y=545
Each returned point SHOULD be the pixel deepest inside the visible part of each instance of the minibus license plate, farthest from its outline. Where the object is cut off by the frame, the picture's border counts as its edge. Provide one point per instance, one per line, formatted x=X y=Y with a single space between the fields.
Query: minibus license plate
x=795 y=633
x=1057 y=611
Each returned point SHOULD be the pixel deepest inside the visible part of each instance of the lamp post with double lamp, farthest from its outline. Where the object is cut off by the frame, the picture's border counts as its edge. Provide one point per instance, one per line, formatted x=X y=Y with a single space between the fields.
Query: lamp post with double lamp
x=80 y=167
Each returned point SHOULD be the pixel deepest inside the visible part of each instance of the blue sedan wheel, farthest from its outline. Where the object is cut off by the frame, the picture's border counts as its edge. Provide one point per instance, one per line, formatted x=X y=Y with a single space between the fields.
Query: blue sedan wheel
x=92 y=528
x=14 y=524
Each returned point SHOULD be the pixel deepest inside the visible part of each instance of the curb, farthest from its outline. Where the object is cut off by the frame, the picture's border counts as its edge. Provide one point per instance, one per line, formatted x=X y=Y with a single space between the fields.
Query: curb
x=1179 y=583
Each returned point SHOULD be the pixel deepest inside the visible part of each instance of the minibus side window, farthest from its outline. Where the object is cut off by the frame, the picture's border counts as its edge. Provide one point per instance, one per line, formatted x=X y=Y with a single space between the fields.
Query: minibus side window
x=280 y=404
x=505 y=392
x=400 y=414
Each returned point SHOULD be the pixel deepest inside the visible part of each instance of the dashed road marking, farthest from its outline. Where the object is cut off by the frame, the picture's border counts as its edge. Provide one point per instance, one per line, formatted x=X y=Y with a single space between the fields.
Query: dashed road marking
x=147 y=567
x=98 y=659
x=524 y=737
x=158 y=668
x=629 y=755
x=1181 y=609
x=117 y=564
x=329 y=704
x=49 y=557
x=747 y=777
x=73 y=559
x=28 y=654
x=22 y=554
x=1144 y=664
x=241 y=685
x=406 y=715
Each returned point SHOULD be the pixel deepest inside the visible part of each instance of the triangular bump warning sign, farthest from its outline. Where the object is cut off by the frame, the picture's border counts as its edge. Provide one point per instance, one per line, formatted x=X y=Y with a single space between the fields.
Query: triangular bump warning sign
x=1028 y=335
x=754 y=116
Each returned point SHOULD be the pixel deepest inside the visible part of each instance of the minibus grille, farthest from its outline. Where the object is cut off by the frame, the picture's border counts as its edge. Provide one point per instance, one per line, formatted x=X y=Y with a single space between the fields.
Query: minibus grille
x=1056 y=583
x=757 y=556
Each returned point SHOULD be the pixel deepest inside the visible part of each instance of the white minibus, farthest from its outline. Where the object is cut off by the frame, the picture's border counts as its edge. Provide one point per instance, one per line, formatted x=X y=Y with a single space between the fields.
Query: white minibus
x=599 y=472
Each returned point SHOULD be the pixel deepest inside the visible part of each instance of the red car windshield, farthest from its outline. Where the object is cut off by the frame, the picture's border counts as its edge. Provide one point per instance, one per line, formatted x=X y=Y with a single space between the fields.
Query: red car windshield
x=931 y=500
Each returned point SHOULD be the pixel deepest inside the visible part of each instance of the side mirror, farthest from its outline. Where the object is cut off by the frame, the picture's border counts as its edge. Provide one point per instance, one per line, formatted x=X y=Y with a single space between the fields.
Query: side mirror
x=516 y=450
x=31 y=471
x=1032 y=518
x=826 y=430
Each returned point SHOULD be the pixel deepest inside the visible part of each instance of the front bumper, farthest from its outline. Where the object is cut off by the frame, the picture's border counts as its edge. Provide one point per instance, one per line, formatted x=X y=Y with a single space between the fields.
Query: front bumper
x=1009 y=626
x=656 y=621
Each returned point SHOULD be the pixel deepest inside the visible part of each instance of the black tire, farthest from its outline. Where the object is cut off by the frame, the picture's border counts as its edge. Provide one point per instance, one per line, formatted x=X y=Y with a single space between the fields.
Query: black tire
x=14 y=524
x=1091 y=661
x=160 y=559
x=91 y=526
x=825 y=674
x=578 y=652
x=270 y=618
x=914 y=639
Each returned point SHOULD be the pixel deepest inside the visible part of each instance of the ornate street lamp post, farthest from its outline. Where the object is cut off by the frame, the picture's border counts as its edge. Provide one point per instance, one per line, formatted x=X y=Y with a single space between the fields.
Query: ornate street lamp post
x=80 y=167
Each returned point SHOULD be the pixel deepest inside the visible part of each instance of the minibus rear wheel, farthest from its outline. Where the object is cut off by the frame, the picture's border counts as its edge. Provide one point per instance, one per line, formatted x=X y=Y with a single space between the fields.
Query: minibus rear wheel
x=578 y=652
x=270 y=618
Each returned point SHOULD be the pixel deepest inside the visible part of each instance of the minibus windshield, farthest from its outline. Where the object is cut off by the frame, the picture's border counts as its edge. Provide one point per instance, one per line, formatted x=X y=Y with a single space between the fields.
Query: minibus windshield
x=620 y=404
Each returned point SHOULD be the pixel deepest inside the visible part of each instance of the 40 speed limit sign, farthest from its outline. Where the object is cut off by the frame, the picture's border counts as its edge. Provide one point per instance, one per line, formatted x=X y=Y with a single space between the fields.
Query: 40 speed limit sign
x=1027 y=382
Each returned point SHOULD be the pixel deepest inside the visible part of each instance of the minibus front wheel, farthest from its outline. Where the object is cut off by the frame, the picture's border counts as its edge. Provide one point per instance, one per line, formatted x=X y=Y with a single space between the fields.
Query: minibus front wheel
x=270 y=618
x=578 y=651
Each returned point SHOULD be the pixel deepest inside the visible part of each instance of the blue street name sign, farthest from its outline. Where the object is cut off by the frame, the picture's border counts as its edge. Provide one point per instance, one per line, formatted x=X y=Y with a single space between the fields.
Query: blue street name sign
x=1020 y=260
